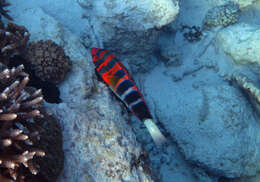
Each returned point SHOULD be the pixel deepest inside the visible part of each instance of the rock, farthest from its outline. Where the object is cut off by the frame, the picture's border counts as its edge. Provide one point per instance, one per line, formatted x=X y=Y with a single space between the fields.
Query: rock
x=250 y=88
x=224 y=137
x=212 y=122
x=98 y=143
x=128 y=27
x=242 y=43
x=242 y=3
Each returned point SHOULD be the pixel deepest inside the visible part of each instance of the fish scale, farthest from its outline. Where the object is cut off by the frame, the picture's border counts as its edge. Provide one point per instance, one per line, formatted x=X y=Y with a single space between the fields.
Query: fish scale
x=116 y=76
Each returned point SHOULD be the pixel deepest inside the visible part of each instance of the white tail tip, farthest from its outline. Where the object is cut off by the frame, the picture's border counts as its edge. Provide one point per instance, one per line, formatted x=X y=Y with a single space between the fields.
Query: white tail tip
x=154 y=131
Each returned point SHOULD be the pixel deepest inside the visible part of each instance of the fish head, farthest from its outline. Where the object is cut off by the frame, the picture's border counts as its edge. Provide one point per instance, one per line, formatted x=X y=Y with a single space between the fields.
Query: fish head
x=95 y=54
x=94 y=51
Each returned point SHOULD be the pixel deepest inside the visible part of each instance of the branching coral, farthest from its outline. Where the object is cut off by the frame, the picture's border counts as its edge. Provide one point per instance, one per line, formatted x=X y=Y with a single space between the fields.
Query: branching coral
x=13 y=41
x=18 y=132
x=3 y=12
x=48 y=61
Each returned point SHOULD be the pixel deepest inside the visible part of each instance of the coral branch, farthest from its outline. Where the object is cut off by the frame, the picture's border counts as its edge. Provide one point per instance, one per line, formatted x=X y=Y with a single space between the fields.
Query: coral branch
x=17 y=151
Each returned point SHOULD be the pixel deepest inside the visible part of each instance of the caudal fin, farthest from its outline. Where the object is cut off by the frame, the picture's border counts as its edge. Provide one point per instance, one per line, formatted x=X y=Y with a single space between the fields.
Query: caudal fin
x=154 y=131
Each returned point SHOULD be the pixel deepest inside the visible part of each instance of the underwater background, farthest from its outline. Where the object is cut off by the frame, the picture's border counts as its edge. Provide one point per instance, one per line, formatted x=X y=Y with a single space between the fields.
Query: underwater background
x=197 y=63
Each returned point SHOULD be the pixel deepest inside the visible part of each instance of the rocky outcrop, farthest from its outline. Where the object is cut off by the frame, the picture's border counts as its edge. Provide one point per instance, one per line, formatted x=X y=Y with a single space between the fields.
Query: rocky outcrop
x=242 y=3
x=129 y=28
x=241 y=42
x=212 y=122
x=223 y=138
x=250 y=87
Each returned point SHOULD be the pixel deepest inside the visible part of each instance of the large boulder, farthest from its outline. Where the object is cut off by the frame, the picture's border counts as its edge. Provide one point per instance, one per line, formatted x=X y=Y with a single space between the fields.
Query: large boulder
x=242 y=3
x=212 y=122
x=129 y=28
x=241 y=42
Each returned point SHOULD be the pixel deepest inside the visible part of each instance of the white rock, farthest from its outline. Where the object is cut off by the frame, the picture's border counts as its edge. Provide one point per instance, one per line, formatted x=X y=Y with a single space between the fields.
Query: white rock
x=134 y=15
x=241 y=42
x=242 y=3
x=223 y=138
x=128 y=27
x=212 y=122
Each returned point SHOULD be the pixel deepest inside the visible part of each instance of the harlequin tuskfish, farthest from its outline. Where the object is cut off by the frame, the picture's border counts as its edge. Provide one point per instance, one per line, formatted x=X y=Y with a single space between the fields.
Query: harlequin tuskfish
x=116 y=76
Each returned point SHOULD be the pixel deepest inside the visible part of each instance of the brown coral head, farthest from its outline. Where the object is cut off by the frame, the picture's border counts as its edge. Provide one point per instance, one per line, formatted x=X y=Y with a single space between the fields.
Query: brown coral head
x=18 y=131
x=48 y=61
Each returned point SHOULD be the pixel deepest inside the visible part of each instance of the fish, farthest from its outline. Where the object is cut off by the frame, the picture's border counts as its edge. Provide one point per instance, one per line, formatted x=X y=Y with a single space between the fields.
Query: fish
x=115 y=75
